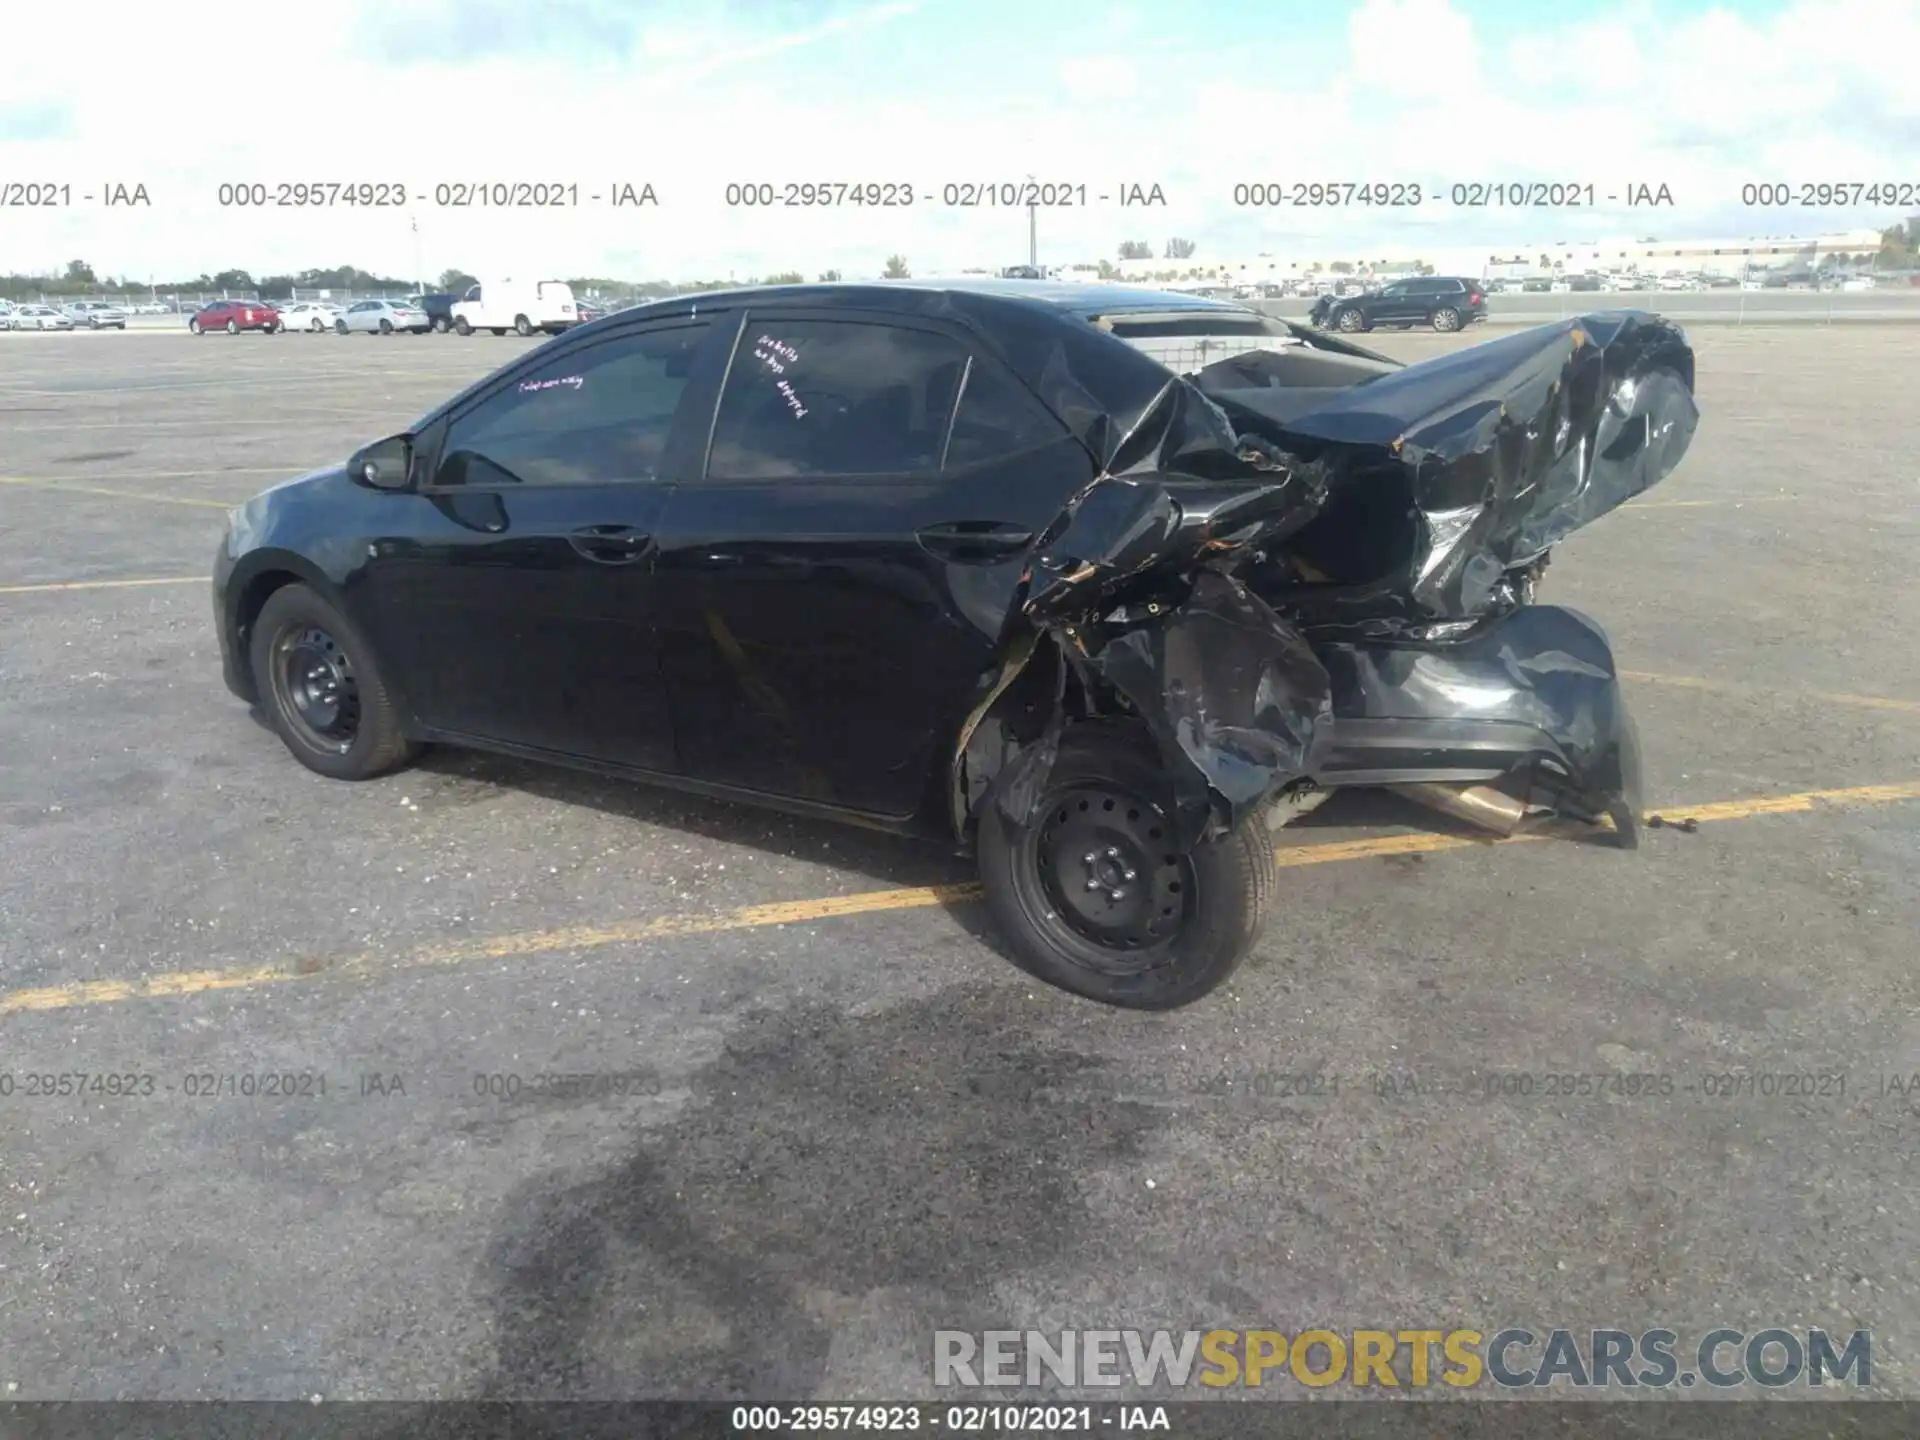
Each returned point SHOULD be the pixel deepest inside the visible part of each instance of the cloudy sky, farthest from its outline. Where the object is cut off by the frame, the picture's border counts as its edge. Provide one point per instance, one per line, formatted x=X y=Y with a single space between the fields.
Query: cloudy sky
x=1195 y=97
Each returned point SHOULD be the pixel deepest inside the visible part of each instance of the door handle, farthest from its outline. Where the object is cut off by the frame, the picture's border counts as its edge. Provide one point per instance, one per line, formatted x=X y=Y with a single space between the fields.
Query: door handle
x=974 y=541
x=611 y=544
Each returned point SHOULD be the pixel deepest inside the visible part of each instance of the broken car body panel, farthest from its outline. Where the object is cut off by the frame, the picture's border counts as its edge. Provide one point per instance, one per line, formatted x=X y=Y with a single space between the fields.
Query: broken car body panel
x=1438 y=490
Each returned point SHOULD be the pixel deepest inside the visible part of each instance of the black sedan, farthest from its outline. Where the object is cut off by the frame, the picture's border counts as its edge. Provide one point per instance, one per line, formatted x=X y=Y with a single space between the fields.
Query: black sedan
x=988 y=562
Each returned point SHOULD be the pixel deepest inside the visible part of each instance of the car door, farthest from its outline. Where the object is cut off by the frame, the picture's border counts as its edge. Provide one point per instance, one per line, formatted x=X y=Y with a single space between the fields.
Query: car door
x=833 y=587
x=515 y=590
x=1396 y=304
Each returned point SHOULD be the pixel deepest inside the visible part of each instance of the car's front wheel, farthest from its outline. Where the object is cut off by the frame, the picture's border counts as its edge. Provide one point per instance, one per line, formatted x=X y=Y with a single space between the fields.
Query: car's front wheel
x=1350 y=320
x=319 y=326
x=1093 y=895
x=1446 y=318
x=340 y=326
x=463 y=326
x=321 y=689
x=386 y=327
x=522 y=326
x=193 y=327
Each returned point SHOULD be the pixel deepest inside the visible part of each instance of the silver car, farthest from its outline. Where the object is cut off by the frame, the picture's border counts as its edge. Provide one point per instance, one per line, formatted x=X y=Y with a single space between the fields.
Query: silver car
x=96 y=315
x=38 y=317
x=382 y=317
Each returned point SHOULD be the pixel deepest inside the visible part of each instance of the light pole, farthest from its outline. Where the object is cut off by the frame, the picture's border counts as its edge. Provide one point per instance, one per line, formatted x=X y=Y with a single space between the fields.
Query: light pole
x=1033 y=229
x=419 y=275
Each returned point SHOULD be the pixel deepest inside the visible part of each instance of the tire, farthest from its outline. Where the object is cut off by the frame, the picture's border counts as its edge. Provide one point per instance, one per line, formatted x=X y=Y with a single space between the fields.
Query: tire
x=300 y=645
x=1220 y=893
x=440 y=326
x=462 y=327
x=1446 y=319
x=386 y=327
x=340 y=326
x=319 y=326
x=522 y=326
x=1350 y=320
x=233 y=327
x=193 y=328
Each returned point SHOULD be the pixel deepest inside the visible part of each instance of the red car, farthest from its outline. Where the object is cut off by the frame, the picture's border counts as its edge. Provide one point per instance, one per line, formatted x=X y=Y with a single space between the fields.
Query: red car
x=233 y=316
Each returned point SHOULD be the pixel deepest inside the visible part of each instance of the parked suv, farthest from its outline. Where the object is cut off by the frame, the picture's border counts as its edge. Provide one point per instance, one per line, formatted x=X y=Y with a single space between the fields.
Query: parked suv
x=1446 y=302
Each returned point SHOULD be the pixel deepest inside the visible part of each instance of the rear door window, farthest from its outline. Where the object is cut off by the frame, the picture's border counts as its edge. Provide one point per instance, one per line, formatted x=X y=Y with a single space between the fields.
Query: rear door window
x=821 y=398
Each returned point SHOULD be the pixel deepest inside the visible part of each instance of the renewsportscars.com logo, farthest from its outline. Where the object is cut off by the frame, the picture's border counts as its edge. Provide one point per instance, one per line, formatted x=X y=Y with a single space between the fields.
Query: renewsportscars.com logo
x=1512 y=1358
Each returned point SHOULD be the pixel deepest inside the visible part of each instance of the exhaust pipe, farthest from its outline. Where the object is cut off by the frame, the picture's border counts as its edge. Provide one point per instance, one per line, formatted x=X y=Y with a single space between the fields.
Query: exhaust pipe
x=1479 y=805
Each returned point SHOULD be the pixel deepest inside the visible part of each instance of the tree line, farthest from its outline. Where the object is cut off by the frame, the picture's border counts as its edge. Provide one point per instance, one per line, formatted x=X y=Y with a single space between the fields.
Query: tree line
x=1899 y=247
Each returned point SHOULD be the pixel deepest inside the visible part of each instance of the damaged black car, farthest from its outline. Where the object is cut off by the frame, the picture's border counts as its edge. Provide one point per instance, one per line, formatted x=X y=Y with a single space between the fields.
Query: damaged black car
x=1103 y=585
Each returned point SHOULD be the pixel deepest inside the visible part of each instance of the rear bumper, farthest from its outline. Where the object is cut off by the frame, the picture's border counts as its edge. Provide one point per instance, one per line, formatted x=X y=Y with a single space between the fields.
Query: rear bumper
x=1534 y=694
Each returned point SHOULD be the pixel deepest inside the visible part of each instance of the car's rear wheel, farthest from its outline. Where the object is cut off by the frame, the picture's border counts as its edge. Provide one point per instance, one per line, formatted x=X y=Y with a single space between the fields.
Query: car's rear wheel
x=522 y=326
x=440 y=326
x=1446 y=318
x=321 y=689
x=1093 y=896
x=193 y=327
x=319 y=326
x=233 y=327
x=1350 y=320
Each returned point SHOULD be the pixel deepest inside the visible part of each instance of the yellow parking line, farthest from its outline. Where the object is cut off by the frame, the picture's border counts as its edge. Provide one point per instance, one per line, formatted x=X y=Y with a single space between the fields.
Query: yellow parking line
x=115 y=494
x=793 y=912
x=103 y=584
x=1734 y=687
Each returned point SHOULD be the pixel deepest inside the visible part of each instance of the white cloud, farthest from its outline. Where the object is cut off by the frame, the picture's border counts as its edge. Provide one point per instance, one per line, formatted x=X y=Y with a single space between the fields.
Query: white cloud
x=1100 y=77
x=1426 y=93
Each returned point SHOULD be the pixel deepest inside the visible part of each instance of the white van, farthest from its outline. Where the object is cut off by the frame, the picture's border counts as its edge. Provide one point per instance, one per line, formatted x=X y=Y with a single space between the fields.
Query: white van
x=522 y=306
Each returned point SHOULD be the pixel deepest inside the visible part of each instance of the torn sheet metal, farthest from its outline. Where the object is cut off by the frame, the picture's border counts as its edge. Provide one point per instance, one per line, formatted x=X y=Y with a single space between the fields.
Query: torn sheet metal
x=1171 y=579
x=1236 y=700
x=1495 y=453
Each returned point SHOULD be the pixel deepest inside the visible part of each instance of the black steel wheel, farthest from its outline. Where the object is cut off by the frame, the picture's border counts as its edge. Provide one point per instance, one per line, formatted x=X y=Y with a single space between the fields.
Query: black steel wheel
x=322 y=692
x=1108 y=884
x=314 y=684
x=1093 y=894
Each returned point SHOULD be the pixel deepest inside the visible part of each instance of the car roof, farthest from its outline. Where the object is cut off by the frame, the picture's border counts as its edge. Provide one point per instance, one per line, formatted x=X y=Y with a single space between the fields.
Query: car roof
x=1086 y=300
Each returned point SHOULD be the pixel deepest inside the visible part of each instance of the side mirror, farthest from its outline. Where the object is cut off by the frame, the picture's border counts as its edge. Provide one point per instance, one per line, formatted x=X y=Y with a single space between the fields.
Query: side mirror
x=384 y=465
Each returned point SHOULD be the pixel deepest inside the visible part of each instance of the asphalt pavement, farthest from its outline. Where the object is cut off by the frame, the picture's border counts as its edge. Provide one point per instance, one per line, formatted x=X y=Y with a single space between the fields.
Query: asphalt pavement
x=318 y=1150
